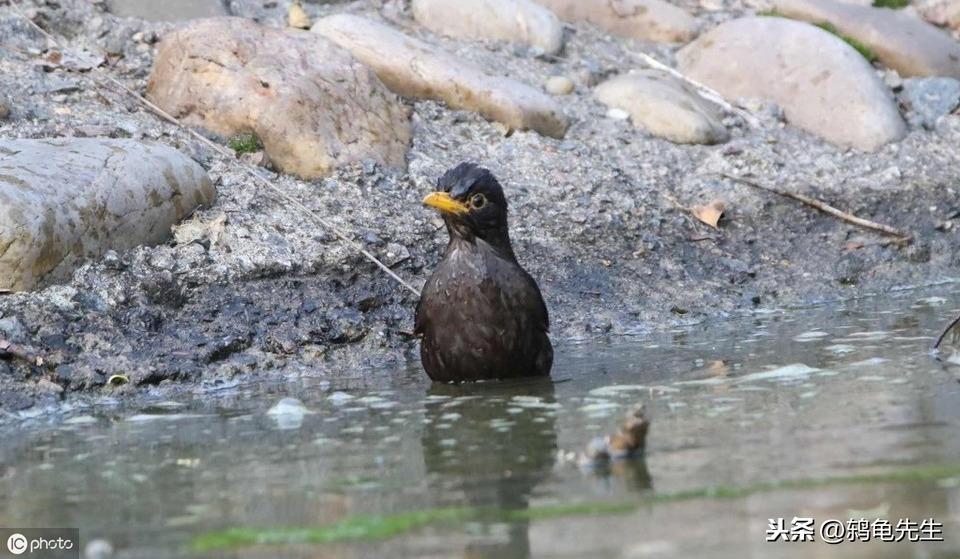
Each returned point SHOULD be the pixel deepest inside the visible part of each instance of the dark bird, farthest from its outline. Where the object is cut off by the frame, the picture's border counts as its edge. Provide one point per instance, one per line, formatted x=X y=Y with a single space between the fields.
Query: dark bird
x=481 y=315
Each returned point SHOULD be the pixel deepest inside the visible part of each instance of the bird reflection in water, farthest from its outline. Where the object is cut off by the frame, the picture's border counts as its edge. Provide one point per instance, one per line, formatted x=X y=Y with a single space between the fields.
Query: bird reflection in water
x=502 y=443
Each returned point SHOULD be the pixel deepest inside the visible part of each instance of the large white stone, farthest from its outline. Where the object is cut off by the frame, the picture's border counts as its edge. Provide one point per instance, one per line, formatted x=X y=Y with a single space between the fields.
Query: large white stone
x=651 y=20
x=518 y=21
x=312 y=105
x=415 y=69
x=901 y=41
x=66 y=200
x=823 y=85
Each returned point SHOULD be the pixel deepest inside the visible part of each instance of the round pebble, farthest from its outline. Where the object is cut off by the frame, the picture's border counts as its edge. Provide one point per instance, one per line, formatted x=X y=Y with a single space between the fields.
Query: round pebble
x=559 y=85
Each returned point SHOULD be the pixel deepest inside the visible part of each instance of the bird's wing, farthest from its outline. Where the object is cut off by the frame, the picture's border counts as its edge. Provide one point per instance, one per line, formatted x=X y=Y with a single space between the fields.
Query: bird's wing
x=535 y=303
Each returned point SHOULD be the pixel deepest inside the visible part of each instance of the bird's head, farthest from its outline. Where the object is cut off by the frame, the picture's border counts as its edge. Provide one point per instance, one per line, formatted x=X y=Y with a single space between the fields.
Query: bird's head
x=472 y=204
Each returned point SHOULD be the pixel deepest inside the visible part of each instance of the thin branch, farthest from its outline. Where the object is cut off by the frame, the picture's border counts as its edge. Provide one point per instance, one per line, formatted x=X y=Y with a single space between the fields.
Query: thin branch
x=902 y=236
x=943 y=334
x=707 y=92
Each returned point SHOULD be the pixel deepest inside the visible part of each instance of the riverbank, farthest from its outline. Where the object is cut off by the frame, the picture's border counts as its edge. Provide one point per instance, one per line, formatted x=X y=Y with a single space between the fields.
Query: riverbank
x=247 y=288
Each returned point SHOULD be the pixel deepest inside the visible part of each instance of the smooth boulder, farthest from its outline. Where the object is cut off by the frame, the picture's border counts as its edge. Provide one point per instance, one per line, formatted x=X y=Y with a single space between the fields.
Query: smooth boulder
x=66 y=200
x=650 y=20
x=518 y=21
x=415 y=69
x=945 y=13
x=311 y=104
x=664 y=106
x=901 y=41
x=835 y=94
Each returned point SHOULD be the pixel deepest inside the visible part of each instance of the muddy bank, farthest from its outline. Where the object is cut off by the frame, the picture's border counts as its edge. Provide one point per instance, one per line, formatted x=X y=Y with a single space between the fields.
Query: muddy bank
x=249 y=289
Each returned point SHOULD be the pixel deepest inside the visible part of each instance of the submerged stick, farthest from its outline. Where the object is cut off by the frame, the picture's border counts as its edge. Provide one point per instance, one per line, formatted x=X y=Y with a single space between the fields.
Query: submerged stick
x=903 y=236
x=707 y=92
x=936 y=345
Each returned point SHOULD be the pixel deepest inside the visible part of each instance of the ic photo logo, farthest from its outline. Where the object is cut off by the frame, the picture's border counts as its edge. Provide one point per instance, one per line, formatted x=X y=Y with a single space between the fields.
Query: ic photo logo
x=17 y=544
x=45 y=543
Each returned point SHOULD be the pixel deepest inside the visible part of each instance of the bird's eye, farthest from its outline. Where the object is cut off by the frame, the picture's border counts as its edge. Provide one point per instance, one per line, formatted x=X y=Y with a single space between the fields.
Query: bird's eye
x=478 y=201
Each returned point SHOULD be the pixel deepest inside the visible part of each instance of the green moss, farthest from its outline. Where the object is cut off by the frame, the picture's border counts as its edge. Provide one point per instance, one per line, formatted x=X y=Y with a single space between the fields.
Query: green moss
x=892 y=4
x=863 y=49
x=382 y=526
x=244 y=143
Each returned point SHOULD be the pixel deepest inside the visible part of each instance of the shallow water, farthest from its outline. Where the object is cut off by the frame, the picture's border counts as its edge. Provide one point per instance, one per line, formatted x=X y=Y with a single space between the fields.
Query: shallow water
x=822 y=413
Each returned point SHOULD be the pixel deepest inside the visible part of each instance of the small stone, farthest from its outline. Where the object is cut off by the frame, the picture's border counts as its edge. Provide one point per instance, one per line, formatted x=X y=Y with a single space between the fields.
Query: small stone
x=395 y=254
x=288 y=413
x=651 y=20
x=928 y=99
x=98 y=549
x=519 y=21
x=664 y=106
x=49 y=386
x=892 y=79
x=416 y=69
x=617 y=114
x=559 y=85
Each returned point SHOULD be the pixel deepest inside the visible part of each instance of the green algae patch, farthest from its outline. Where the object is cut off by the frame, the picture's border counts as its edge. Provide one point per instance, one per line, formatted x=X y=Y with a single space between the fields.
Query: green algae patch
x=892 y=4
x=244 y=143
x=355 y=528
x=863 y=49
x=379 y=527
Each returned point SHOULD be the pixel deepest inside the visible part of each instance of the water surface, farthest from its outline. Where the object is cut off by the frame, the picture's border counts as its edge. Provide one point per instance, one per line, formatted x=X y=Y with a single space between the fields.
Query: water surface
x=828 y=413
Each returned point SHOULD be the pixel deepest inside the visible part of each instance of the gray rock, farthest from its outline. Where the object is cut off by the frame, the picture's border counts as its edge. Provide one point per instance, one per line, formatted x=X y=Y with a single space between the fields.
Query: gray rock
x=63 y=201
x=4 y=109
x=313 y=107
x=928 y=99
x=651 y=20
x=413 y=68
x=664 y=106
x=519 y=21
x=835 y=94
x=903 y=42
x=169 y=10
x=12 y=330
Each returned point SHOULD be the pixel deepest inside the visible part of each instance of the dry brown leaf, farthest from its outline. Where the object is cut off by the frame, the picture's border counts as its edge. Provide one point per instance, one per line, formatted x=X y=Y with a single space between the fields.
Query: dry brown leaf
x=297 y=17
x=709 y=213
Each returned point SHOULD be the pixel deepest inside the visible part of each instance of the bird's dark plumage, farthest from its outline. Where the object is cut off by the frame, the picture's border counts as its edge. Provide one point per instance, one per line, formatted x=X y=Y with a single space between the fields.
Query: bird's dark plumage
x=481 y=315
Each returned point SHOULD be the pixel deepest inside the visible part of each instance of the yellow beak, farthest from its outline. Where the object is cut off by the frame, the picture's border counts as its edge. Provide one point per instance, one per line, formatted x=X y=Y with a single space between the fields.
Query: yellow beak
x=445 y=203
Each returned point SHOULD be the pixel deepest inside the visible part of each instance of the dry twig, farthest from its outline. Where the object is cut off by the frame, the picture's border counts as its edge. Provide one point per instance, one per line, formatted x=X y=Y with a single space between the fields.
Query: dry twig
x=902 y=236
x=21 y=352
x=707 y=92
